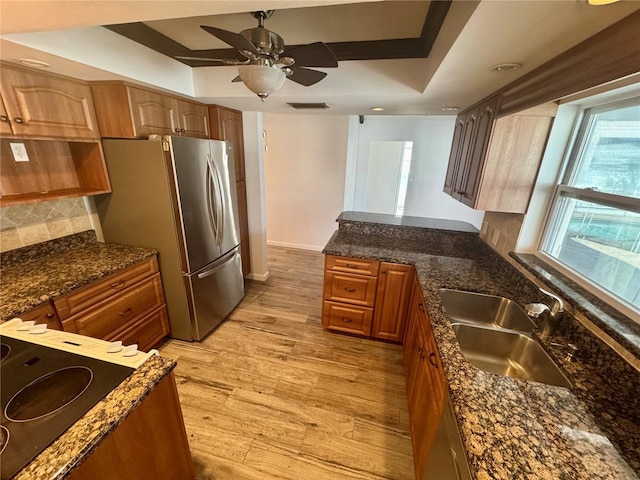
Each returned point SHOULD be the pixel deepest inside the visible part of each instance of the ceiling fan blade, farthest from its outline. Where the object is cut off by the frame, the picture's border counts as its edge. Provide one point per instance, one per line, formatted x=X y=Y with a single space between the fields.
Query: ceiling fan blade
x=306 y=76
x=226 y=61
x=237 y=79
x=237 y=41
x=313 y=55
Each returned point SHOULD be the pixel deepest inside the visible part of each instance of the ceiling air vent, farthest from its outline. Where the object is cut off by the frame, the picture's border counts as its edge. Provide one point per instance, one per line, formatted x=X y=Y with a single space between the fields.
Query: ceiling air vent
x=309 y=106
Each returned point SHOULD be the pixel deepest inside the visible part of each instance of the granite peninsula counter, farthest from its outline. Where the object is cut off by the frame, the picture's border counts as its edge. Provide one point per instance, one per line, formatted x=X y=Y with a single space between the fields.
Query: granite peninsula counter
x=511 y=429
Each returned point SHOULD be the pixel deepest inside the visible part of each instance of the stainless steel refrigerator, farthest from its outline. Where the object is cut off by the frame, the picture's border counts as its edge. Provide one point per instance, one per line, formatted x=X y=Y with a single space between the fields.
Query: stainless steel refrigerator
x=177 y=195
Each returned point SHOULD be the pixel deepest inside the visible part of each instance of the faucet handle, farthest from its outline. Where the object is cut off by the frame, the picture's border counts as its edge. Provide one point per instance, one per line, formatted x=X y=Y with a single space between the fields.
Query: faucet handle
x=559 y=304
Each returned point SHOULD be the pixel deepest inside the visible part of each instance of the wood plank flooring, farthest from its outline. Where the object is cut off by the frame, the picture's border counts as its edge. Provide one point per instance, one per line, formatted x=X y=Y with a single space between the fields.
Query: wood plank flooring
x=271 y=395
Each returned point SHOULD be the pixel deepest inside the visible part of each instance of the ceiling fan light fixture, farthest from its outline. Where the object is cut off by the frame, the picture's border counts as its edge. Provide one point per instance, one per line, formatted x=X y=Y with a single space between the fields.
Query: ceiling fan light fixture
x=262 y=80
x=601 y=2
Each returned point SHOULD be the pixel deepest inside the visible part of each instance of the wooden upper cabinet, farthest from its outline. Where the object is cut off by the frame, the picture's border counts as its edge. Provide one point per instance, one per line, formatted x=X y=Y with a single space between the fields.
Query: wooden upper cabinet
x=392 y=300
x=5 y=125
x=127 y=111
x=45 y=105
x=152 y=113
x=193 y=118
x=494 y=162
x=226 y=124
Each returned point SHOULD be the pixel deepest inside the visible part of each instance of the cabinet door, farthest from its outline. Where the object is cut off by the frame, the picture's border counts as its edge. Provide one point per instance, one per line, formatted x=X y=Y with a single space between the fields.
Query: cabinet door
x=48 y=106
x=466 y=147
x=468 y=189
x=5 y=124
x=455 y=156
x=44 y=314
x=392 y=301
x=193 y=119
x=153 y=113
x=226 y=124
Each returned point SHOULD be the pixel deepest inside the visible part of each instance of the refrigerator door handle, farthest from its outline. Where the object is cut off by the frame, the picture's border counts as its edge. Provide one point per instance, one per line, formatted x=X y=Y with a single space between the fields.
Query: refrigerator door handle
x=221 y=211
x=208 y=273
x=212 y=210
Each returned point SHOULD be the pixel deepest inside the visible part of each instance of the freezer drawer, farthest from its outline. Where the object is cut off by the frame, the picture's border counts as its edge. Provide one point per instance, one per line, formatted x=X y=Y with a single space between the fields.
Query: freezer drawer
x=213 y=292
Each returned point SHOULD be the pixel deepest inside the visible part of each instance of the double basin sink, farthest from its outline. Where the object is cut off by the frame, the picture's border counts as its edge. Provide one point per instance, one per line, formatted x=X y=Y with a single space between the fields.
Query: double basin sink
x=495 y=336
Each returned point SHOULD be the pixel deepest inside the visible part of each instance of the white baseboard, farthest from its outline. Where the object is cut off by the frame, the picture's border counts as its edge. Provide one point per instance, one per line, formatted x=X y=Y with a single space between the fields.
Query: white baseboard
x=315 y=248
x=259 y=277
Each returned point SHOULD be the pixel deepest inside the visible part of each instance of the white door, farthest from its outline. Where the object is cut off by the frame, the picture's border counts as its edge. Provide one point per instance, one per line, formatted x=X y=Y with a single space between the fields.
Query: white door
x=383 y=177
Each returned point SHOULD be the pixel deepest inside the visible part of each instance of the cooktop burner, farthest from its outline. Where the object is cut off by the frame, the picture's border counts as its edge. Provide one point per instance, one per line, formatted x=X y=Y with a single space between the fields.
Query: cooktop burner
x=4 y=351
x=44 y=391
x=48 y=394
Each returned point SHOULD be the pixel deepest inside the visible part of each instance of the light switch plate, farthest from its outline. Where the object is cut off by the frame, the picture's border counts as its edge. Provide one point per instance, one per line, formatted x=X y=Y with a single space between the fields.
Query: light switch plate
x=19 y=152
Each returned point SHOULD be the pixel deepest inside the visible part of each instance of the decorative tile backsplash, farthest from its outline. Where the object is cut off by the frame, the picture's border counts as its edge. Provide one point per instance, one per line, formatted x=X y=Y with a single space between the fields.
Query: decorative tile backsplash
x=24 y=225
x=501 y=230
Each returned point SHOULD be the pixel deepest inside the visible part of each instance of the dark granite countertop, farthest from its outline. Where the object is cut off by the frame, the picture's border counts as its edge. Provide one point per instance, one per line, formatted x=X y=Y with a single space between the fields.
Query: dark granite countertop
x=80 y=440
x=513 y=429
x=34 y=275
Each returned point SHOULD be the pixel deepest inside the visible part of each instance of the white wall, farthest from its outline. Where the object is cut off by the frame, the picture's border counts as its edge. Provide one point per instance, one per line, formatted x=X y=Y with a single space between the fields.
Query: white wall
x=304 y=177
x=432 y=137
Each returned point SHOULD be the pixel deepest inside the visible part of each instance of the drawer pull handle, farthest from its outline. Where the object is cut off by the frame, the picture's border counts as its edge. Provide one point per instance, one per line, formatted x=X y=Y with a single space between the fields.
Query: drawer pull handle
x=117 y=284
x=421 y=307
x=346 y=320
x=421 y=357
x=351 y=265
x=384 y=271
x=432 y=361
x=126 y=313
x=350 y=290
x=420 y=349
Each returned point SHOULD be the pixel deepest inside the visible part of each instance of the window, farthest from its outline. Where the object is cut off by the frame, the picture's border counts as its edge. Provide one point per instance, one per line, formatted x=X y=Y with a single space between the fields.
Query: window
x=594 y=225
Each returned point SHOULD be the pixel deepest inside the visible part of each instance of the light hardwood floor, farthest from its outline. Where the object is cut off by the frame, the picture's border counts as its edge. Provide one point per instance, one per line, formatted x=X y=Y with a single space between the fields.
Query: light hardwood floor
x=271 y=395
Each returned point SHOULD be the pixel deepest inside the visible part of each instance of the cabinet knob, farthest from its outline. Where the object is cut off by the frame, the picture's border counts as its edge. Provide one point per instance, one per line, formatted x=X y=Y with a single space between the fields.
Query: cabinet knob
x=182 y=130
x=177 y=130
x=383 y=271
x=49 y=315
x=18 y=120
x=4 y=118
x=432 y=359
x=421 y=307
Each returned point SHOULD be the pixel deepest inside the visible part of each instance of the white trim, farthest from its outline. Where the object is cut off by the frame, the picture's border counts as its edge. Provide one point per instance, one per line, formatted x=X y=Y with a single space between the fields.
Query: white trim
x=590 y=286
x=259 y=277
x=315 y=248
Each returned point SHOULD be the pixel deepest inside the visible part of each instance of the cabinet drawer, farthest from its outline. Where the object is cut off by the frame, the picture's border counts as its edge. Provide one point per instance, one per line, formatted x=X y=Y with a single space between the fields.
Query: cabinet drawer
x=352 y=265
x=347 y=318
x=80 y=299
x=146 y=332
x=353 y=289
x=43 y=314
x=112 y=314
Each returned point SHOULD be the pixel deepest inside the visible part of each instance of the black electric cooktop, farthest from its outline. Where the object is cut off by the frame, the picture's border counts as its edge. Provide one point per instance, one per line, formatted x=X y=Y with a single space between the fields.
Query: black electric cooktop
x=44 y=391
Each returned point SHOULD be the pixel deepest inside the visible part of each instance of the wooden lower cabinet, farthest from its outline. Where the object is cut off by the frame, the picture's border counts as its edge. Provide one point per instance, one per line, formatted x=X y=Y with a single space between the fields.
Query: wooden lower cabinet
x=392 y=301
x=128 y=305
x=150 y=443
x=366 y=297
x=426 y=384
x=43 y=314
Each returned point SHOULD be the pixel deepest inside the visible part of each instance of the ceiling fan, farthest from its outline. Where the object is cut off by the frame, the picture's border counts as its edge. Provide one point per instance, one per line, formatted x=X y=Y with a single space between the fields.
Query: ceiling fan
x=267 y=63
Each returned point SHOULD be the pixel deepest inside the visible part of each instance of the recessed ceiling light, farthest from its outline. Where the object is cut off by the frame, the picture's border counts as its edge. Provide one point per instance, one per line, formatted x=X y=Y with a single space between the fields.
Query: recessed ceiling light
x=377 y=109
x=601 y=2
x=450 y=109
x=506 y=67
x=29 y=62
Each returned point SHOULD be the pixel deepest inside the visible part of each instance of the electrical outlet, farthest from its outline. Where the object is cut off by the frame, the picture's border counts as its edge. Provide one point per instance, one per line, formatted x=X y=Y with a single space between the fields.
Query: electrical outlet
x=485 y=227
x=495 y=237
x=19 y=152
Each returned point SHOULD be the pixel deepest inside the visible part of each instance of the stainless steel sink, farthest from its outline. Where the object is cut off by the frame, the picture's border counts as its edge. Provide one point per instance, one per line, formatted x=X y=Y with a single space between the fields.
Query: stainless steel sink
x=485 y=309
x=508 y=353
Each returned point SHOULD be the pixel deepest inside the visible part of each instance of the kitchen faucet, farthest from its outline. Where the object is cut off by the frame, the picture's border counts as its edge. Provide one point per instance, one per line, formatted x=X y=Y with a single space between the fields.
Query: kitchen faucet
x=550 y=316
